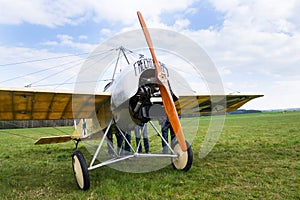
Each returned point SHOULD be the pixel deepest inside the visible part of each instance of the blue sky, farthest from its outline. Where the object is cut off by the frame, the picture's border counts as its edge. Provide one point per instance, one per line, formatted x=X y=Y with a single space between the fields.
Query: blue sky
x=254 y=44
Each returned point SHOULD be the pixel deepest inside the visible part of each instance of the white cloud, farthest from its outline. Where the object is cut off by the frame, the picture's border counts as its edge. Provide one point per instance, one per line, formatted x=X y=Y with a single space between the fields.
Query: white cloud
x=181 y=24
x=68 y=41
x=289 y=84
x=123 y=12
x=65 y=38
x=82 y=37
x=224 y=71
x=259 y=43
x=268 y=15
x=61 y=12
x=106 y=32
x=281 y=95
x=48 y=13
x=255 y=35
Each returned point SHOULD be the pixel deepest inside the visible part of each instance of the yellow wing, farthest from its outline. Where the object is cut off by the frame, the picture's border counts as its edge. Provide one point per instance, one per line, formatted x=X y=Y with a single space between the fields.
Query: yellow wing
x=28 y=104
x=212 y=104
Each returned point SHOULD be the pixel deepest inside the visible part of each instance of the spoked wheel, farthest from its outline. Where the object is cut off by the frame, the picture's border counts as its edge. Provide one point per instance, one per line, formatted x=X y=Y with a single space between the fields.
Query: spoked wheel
x=185 y=159
x=80 y=171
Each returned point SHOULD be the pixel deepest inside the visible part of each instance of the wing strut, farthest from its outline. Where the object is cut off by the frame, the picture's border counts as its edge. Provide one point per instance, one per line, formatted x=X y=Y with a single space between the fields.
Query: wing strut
x=164 y=89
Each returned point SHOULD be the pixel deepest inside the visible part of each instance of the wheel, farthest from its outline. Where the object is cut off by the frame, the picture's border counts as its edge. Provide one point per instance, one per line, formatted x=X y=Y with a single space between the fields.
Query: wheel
x=80 y=169
x=185 y=159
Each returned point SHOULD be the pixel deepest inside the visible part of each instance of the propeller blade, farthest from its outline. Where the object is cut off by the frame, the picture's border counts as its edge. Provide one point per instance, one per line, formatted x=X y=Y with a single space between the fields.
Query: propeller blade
x=164 y=89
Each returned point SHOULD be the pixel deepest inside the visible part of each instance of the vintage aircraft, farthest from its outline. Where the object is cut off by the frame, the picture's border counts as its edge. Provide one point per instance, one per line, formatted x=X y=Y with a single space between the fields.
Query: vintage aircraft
x=150 y=97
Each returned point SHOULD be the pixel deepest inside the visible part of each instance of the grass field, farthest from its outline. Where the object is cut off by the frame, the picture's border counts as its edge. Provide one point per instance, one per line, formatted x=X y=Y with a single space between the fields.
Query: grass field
x=256 y=157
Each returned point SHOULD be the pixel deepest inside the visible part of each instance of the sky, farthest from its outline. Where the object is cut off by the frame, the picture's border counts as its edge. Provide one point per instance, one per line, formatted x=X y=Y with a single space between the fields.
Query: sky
x=254 y=44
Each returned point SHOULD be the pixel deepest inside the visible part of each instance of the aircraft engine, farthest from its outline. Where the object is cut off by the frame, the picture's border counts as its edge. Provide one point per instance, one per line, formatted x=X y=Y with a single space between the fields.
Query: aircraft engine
x=138 y=100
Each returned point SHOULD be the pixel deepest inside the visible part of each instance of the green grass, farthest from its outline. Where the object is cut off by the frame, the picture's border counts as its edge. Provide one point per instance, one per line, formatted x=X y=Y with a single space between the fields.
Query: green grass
x=256 y=157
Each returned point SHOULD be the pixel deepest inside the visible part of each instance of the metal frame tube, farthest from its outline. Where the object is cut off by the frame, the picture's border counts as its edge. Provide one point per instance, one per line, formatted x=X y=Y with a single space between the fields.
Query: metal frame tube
x=101 y=143
x=157 y=131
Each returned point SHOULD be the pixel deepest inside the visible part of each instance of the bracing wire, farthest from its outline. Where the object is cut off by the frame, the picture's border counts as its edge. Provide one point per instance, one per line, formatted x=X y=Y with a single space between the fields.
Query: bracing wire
x=65 y=82
x=56 y=73
x=51 y=75
x=39 y=71
x=120 y=49
x=70 y=83
x=44 y=59
x=29 y=137
x=15 y=134
x=49 y=68
x=75 y=63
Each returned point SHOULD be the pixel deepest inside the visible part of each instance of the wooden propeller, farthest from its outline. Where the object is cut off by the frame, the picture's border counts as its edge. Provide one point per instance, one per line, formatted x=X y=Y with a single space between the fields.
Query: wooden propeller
x=164 y=89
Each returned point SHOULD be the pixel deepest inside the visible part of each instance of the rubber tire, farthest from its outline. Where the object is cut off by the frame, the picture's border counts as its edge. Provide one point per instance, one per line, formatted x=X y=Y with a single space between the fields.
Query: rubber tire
x=183 y=162
x=80 y=170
